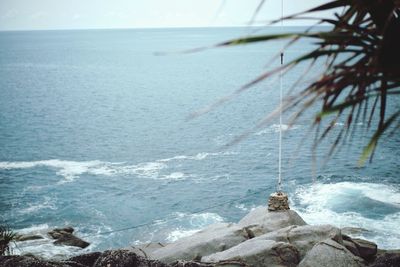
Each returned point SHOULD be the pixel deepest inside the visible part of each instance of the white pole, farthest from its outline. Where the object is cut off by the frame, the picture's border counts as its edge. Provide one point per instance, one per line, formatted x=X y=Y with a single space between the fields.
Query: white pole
x=280 y=115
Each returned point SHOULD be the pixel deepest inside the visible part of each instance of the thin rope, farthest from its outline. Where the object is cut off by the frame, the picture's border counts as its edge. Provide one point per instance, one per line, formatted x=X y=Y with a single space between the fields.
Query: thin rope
x=280 y=116
x=155 y=221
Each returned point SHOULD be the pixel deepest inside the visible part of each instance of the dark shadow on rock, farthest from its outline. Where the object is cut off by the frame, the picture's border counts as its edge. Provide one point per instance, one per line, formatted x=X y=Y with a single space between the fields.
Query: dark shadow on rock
x=86 y=259
x=125 y=258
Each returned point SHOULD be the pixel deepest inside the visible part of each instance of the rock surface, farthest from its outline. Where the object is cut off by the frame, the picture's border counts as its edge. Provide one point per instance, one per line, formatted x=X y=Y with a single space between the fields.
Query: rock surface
x=125 y=258
x=191 y=264
x=145 y=250
x=303 y=237
x=28 y=261
x=387 y=259
x=260 y=221
x=65 y=237
x=217 y=237
x=21 y=238
x=329 y=253
x=366 y=249
x=258 y=253
x=86 y=259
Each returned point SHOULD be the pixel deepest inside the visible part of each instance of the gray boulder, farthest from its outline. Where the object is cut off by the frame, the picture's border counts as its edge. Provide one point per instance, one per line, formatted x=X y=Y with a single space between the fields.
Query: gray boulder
x=329 y=253
x=145 y=250
x=304 y=237
x=351 y=247
x=387 y=259
x=261 y=221
x=366 y=249
x=258 y=253
x=215 y=238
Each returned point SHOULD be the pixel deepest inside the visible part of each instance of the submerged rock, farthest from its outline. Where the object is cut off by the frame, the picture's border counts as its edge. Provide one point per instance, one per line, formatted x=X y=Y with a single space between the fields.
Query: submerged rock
x=329 y=253
x=261 y=221
x=21 y=238
x=65 y=237
x=59 y=232
x=258 y=253
x=215 y=238
x=71 y=240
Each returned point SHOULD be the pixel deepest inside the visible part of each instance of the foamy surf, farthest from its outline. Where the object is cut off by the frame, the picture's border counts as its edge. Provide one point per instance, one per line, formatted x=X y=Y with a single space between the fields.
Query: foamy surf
x=71 y=170
x=375 y=207
x=275 y=128
x=46 y=249
x=178 y=225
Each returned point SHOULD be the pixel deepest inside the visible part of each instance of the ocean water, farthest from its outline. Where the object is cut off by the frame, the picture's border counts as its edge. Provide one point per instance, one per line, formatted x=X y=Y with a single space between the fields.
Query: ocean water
x=94 y=134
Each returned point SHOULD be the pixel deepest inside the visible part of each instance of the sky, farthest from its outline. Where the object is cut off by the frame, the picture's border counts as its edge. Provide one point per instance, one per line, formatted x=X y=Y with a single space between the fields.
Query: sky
x=100 y=14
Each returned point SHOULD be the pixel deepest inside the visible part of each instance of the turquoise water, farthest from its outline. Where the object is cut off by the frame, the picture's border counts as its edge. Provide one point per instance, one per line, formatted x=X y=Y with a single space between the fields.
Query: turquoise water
x=93 y=134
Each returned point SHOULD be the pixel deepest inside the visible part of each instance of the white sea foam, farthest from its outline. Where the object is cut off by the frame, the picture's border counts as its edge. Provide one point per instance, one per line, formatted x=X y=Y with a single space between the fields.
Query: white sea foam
x=47 y=203
x=199 y=156
x=349 y=204
x=244 y=207
x=71 y=170
x=42 y=247
x=178 y=225
x=274 y=128
x=179 y=233
x=189 y=224
x=45 y=247
x=174 y=176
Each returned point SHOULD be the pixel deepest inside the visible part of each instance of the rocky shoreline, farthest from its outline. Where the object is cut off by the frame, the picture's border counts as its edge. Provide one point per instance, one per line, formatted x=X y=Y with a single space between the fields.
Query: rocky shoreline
x=261 y=238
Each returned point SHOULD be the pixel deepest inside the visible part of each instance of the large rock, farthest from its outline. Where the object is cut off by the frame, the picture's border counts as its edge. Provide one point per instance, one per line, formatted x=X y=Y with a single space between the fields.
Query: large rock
x=387 y=259
x=124 y=258
x=303 y=237
x=329 y=253
x=68 y=239
x=261 y=221
x=58 y=232
x=366 y=249
x=258 y=253
x=65 y=237
x=145 y=250
x=215 y=238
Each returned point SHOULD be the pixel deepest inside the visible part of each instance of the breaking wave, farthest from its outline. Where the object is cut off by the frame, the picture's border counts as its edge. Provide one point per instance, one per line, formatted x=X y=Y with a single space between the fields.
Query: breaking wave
x=375 y=207
x=71 y=170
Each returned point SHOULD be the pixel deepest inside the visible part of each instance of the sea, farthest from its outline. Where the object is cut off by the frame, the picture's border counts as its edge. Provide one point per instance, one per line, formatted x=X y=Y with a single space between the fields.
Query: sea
x=97 y=133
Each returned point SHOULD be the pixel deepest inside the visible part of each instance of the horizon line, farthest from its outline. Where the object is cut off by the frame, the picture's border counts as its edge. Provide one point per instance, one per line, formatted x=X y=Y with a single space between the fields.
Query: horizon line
x=156 y=28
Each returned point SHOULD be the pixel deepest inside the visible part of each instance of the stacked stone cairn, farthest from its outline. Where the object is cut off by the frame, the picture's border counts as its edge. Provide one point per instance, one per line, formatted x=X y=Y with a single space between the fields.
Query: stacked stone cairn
x=278 y=201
